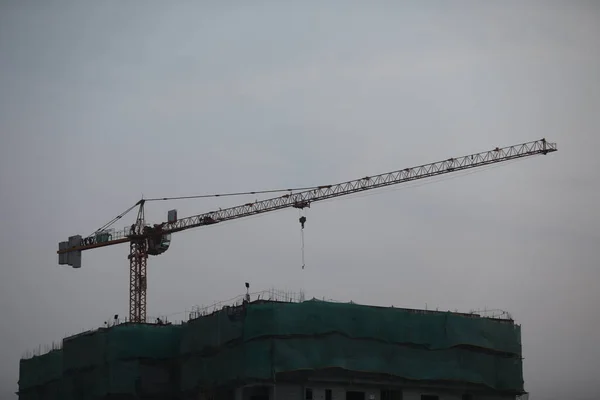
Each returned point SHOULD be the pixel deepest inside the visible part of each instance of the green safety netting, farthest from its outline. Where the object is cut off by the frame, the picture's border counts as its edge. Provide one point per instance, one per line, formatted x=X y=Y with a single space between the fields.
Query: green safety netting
x=205 y=333
x=121 y=342
x=117 y=378
x=50 y=390
x=262 y=358
x=40 y=370
x=412 y=344
x=260 y=340
x=392 y=325
x=123 y=359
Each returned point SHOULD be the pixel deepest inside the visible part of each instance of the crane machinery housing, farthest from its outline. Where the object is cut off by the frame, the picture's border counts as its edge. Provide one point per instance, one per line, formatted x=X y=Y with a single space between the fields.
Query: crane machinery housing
x=145 y=239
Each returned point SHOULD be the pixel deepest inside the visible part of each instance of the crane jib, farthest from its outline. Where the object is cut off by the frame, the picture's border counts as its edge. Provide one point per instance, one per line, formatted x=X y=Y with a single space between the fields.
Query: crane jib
x=304 y=198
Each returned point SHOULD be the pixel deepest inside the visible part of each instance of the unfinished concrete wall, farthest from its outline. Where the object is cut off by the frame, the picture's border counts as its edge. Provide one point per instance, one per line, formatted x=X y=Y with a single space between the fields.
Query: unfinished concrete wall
x=372 y=392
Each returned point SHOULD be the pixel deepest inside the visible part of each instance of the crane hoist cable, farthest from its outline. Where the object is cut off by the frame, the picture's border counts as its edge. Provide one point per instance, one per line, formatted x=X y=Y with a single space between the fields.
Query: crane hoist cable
x=302 y=220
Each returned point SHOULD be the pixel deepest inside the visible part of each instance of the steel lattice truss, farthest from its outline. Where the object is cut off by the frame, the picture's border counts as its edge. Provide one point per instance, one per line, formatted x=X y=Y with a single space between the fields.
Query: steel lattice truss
x=305 y=198
x=138 y=257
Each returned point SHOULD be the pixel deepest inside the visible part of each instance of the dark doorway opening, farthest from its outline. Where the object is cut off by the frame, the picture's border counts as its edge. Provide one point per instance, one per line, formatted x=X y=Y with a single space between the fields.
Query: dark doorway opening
x=391 y=395
x=355 y=395
x=259 y=393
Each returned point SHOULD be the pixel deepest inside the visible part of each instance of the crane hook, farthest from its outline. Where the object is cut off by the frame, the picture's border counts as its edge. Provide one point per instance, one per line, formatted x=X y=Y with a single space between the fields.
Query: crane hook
x=302 y=221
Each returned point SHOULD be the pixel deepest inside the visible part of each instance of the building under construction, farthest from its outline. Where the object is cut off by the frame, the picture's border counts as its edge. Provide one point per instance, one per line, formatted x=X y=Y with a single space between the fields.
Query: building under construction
x=267 y=350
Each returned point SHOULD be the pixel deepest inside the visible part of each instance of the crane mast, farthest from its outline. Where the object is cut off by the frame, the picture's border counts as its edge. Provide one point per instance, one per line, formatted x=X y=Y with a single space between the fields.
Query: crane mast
x=145 y=240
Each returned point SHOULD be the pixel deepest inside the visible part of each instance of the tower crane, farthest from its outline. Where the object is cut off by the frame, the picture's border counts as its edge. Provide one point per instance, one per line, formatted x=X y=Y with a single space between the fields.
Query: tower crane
x=145 y=239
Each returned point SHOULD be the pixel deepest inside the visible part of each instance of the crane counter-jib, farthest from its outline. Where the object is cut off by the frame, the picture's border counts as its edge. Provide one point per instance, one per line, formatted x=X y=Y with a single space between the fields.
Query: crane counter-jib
x=153 y=240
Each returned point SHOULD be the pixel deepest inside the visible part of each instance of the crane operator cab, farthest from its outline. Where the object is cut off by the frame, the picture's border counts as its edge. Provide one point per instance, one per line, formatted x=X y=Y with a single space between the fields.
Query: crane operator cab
x=158 y=242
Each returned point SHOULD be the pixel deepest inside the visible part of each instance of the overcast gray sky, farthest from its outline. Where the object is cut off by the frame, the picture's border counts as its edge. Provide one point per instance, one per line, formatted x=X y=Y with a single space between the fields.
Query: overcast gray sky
x=103 y=101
